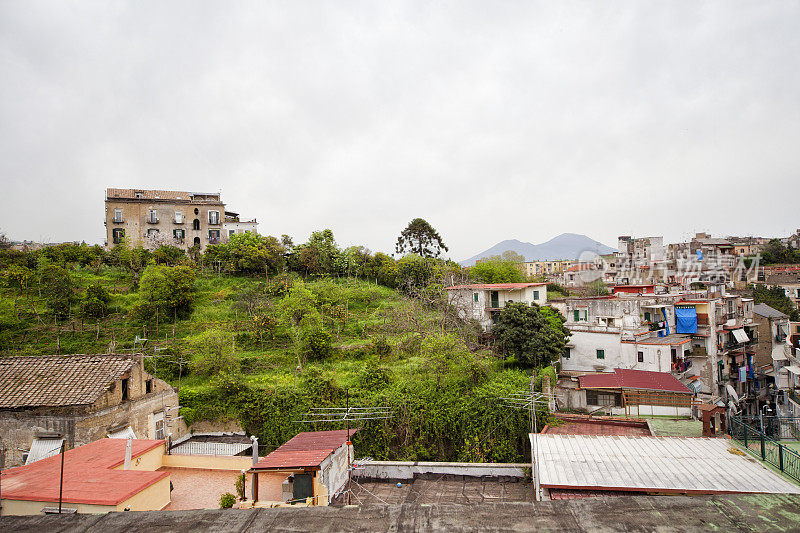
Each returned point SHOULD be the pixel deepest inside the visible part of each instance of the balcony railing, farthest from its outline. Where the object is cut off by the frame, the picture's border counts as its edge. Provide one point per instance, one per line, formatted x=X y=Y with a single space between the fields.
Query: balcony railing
x=116 y=220
x=152 y=220
x=213 y=240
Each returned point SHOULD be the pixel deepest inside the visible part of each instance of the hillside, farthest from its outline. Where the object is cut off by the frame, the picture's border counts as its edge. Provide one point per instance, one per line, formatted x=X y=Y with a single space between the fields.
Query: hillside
x=565 y=246
x=234 y=357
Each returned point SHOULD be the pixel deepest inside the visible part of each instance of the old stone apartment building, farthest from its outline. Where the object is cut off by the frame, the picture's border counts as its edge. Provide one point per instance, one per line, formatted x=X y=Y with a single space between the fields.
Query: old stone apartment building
x=178 y=218
x=80 y=398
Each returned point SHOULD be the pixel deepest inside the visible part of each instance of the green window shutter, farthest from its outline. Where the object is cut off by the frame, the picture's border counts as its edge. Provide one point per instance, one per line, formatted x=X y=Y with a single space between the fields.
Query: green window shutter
x=601 y=354
x=535 y=295
x=566 y=353
x=576 y=315
x=647 y=315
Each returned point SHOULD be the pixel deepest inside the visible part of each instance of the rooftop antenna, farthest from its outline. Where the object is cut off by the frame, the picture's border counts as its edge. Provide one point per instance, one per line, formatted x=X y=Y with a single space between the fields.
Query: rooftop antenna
x=346 y=414
x=527 y=399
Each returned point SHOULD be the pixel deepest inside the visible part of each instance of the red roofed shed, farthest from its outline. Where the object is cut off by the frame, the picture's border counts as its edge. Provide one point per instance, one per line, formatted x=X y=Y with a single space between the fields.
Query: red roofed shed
x=635 y=388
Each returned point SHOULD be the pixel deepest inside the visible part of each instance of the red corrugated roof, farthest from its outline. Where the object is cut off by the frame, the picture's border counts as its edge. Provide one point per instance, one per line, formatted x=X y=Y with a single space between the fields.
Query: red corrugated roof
x=89 y=475
x=634 y=379
x=496 y=286
x=305 y=450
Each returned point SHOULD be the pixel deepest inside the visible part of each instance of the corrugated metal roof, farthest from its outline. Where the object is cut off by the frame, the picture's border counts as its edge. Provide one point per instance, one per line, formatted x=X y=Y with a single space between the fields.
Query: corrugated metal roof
x=663 y=464
x=42 y=449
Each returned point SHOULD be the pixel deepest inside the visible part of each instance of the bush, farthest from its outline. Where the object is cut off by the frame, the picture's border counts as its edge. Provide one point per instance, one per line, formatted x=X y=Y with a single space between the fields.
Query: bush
x=227 y=500
x=240 y=486
x=315 y=343
x=381 y=347
x=168 y=288
x=213 y=351
x=95 y=301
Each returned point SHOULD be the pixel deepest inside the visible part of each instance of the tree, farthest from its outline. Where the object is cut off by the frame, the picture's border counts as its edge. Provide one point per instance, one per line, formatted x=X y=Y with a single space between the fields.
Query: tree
x=318 y=256
x=776 y=298
x=58 y=289
x=420 y=238
x=535 y=335
x=168 y=289
x=95 y=301
x=168 y=255
x=213 y=351
x=498 y=270
x=249 y=253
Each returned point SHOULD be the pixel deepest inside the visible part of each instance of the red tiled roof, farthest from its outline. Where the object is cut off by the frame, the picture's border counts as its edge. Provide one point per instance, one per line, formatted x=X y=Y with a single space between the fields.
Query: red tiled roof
x=89 y=475
x=495 y=286
x=305 y=450
x=634 y=379
x=580 y=266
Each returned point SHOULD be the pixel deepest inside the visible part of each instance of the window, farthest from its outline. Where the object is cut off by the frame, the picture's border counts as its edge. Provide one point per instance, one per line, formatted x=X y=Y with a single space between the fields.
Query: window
x=213 y=235
x=213 y=217
x=152 y=217
x=474 y=296
x=158 y=425
x=178 y=217
x=125 y=389
x=179 y=234
x=231 y=232
x=640 y=357
x=601 y=354
x=647 y=316
x=148 y=386
x=117 y=215
x=138 y=194
x=576 y=315
x=603 y=398
x=117 y=234
x=152 y=232
x=566 y=353
x=196 y=211
x=196 y=224
x=535 y=295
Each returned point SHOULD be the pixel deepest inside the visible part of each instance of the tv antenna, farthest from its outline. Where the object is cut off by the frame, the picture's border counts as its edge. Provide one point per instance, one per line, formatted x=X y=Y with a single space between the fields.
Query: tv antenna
x=346 y=415
x=527 y=399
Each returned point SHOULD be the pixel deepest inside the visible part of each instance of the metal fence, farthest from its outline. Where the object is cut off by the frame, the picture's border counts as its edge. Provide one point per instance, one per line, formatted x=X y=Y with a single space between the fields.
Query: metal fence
x=775 y=427
x=770 y=451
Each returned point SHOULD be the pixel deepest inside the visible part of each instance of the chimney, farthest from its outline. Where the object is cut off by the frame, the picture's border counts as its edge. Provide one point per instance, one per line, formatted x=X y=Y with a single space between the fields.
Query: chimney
x=128 y=447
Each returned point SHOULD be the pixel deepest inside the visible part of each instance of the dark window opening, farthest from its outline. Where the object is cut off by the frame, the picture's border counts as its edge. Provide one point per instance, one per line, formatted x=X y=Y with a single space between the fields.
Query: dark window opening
x=148 y=386
x=197 y=241
x=125 y=389
x=196 y=211
x=196 y=224
x=640 y=356
x=601 y=354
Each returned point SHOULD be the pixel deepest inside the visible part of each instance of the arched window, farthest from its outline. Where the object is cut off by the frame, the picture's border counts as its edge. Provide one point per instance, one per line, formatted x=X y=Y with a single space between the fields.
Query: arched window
x=197 y=241
x=196 y=224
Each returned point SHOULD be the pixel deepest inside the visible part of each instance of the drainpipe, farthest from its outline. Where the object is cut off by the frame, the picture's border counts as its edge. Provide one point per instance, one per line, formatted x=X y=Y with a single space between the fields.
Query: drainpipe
x=254 y=484
x=128 y=446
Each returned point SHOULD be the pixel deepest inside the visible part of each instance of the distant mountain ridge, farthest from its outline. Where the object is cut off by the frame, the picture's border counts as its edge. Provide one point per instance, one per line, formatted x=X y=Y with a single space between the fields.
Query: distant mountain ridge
x=565 y=246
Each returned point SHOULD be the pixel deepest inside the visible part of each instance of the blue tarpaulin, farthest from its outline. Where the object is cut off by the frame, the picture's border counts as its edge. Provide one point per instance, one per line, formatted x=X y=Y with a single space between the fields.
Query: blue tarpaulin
x=666 y=318
x=685 y=320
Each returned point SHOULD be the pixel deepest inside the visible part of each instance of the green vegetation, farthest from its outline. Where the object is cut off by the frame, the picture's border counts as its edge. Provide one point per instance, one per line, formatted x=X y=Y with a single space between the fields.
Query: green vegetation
x=227 y=500
x=776 y=298
x=246 y=340
x=776 y=252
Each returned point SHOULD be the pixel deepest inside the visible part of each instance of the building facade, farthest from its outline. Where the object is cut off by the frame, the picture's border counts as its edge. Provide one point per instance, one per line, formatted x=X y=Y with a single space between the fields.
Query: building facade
x=234 y=225
x=155 y=217
x=81 y=398
x=483 y=301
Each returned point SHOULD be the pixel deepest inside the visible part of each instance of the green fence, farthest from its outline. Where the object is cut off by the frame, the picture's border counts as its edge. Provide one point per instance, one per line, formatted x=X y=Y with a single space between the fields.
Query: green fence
x=773 y=452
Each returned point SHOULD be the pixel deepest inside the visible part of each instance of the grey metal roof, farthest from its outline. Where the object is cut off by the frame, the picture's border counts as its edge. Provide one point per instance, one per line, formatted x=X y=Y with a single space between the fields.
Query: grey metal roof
x=42 y=448
x=765 y=310
x=665 y=464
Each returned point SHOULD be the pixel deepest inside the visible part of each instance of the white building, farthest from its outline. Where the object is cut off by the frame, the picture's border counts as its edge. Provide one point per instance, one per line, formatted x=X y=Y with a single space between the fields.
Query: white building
x=483 y=301
x=232 y=225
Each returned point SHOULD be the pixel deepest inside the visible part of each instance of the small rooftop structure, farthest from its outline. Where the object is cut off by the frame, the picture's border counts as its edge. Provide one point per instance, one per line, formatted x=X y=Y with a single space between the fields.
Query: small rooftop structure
x=569 y=424
x=92 y=477
x=215 y=443
x=305 y=450
x=652 y=464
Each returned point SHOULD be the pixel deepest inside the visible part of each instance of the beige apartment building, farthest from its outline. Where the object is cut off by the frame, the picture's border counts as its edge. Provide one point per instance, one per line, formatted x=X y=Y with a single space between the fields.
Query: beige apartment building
x=154 y=217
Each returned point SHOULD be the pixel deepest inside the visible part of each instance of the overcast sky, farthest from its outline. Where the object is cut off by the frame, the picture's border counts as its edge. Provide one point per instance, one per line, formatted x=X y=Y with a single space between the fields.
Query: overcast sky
x=492 y=120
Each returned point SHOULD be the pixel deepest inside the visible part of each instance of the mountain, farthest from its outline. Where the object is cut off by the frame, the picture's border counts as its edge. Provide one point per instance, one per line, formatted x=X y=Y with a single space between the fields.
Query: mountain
x=565 y=246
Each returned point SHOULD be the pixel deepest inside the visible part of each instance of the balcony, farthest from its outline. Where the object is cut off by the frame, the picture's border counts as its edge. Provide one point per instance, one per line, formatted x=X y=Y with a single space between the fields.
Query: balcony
x=213 y=240
x=116 y=220
x=152 y=220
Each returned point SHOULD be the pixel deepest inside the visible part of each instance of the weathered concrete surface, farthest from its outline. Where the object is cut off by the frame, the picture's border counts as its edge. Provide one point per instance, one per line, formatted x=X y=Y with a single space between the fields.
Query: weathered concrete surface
x=756 y=513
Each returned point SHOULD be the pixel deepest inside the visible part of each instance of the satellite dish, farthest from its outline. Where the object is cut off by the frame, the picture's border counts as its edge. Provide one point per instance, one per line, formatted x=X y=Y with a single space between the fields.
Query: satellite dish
x=732 y=393
x=732 y=408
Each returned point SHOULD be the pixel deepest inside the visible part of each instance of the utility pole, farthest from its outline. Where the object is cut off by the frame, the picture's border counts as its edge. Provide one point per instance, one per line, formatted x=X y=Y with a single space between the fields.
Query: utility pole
x=61 y=482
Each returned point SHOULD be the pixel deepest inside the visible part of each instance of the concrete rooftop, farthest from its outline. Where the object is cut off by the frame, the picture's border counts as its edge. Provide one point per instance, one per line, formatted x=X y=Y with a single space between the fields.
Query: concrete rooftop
x=763 y=512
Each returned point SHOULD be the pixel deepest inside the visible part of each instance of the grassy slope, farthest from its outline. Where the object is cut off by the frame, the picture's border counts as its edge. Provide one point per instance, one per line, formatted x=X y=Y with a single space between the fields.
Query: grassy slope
x=430 y=422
